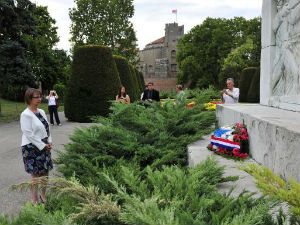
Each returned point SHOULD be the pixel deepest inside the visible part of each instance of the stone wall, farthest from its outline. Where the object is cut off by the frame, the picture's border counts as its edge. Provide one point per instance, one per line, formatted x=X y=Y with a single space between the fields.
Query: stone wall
x=162 y=84
x=274 y=135
x=147 y=57
x=280 y=56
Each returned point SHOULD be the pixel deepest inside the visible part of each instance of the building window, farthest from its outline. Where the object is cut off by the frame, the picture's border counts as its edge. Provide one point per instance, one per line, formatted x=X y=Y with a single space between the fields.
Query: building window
x=173 y=67
x=173 y=53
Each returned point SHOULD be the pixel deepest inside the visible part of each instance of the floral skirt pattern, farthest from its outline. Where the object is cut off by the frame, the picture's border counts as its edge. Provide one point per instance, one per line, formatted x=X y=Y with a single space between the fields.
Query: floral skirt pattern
x=35 y=161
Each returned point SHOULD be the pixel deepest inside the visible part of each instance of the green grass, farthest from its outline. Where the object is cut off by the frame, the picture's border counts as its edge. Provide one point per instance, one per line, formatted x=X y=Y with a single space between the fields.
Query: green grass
x=10 y=110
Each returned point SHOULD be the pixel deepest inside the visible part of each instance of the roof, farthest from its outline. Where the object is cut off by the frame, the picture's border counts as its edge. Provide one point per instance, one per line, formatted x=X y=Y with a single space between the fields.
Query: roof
x=158 y=41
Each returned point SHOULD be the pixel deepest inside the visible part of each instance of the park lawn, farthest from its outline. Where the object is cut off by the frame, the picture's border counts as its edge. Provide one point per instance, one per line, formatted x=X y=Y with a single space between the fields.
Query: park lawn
x=10 y=110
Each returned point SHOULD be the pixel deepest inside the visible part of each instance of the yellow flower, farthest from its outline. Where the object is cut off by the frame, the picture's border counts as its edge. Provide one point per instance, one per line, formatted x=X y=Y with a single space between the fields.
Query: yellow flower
x=210 y=106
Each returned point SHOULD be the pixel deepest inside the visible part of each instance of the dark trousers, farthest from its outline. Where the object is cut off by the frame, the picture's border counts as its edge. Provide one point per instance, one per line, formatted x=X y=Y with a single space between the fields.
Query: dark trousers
x=53 y=110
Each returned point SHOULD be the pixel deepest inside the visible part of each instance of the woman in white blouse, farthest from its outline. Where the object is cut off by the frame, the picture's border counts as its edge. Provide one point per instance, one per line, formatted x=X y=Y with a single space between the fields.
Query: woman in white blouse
x=52 y=107
x=36 y=142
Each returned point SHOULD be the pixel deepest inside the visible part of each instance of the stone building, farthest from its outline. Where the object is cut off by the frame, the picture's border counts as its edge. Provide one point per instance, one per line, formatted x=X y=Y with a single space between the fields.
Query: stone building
x=158 y=58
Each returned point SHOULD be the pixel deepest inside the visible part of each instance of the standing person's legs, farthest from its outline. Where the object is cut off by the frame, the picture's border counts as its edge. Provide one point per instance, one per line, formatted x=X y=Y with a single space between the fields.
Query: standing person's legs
x=56 y=115
x=50 y=108
x=34 y=189
x=43 y=188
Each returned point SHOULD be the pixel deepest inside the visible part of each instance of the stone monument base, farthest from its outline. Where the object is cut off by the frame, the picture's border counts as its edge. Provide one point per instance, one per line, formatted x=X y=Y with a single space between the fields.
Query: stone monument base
x=274 y=135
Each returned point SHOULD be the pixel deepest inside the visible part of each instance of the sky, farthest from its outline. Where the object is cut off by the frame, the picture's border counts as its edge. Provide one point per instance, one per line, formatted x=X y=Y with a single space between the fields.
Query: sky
x=152 y=15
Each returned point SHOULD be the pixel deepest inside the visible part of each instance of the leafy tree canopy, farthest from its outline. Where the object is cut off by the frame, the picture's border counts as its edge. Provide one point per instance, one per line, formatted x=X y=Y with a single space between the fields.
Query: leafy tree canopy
x=105 y=23
x=202 y=51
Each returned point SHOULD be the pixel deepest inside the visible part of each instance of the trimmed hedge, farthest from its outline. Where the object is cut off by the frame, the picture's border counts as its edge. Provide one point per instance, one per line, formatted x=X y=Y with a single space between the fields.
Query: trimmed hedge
x=126 y=76
x=254 y=89
x=93 y=83
x=142 y=80
x=245 y=82
x=135 y=81
x=141 y=88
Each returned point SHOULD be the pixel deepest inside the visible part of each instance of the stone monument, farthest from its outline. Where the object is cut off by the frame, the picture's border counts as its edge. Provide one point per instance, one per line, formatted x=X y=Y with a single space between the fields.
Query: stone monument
x=280 y=56
x=274 y=124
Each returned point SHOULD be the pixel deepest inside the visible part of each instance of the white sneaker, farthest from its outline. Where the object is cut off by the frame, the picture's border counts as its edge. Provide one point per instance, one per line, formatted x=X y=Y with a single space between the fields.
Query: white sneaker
x=59 y=124
x=52 y=124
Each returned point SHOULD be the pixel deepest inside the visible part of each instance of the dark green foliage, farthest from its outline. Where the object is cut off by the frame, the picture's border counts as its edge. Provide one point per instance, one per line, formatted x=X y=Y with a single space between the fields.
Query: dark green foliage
x=155 y=136
x=135 y=81
x=140 y=82
x=245 y=82
x=93 y=83
x=16 y=21
x=37 y=214
x=126 y=76
x=106 y=23
x=142 y=79
x=239 y=58
x=60 y=90
x=28 y=36
x=41 y=56
x=184 y=196
x=254 y=89
x=202 y=50
x=15 y=75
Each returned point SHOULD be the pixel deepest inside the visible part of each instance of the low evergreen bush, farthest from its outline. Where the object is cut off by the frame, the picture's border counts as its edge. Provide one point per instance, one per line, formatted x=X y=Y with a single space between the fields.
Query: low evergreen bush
x=170 y=195
x=274 y=186
x=154 y=137
x=93 y=83
x=37 y=214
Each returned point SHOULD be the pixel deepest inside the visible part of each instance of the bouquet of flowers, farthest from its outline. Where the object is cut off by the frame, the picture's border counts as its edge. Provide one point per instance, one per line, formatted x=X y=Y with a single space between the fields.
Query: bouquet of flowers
x=232 y=141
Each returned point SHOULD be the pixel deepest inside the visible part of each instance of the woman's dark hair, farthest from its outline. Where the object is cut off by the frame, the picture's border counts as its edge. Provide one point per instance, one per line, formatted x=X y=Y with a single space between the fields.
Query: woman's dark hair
x=119 y=95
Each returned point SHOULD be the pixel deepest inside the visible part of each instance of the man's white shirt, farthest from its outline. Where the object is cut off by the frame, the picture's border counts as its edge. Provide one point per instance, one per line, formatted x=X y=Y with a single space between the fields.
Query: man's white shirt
x=235 y=96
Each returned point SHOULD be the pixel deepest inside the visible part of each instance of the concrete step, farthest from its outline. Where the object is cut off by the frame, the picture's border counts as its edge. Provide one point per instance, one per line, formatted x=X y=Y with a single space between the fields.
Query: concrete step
x=198 y=152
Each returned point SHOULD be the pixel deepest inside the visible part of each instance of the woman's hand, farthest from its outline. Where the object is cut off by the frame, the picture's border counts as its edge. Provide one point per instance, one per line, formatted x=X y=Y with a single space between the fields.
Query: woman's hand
x=48 y=146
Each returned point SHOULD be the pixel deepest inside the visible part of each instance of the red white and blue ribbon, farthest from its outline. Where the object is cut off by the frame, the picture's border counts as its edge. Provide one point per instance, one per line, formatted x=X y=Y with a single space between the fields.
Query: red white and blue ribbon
x=223 y=143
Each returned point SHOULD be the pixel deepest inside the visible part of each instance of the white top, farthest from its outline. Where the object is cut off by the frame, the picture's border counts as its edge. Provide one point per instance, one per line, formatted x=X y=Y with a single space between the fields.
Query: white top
x=235 y=96
x=33 y=129
x=51 y=100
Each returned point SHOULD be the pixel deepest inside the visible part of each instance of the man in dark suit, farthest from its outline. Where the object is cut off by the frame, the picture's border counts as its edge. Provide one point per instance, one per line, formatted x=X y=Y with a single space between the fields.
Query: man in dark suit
x=151 y=94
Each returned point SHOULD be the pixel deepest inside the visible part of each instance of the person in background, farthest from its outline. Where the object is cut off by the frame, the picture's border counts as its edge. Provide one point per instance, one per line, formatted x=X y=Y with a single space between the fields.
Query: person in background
x=122 y=96
x=180 y=93
x=52 y=107
x=231 y=94
x=151 y=94
x=142 y=95
x=36 y=142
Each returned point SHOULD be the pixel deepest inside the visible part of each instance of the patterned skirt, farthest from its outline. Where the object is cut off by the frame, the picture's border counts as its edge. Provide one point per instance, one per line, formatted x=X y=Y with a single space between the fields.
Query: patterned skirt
x=36 y=162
